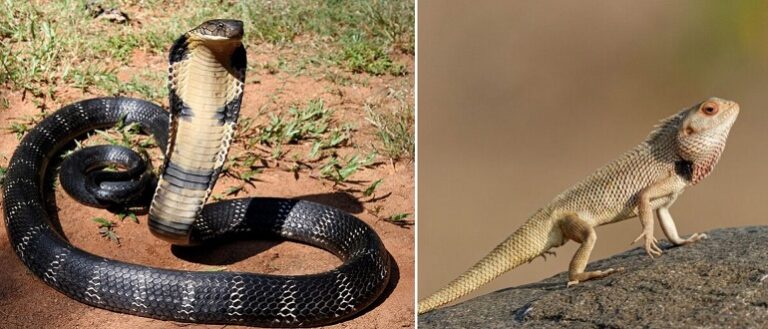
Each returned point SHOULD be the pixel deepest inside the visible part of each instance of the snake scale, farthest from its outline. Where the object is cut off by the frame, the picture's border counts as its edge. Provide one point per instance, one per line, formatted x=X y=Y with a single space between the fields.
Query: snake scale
x=207 y=67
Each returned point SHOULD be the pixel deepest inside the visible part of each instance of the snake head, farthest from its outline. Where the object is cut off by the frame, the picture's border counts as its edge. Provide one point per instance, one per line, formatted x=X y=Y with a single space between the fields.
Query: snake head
x=218 y=30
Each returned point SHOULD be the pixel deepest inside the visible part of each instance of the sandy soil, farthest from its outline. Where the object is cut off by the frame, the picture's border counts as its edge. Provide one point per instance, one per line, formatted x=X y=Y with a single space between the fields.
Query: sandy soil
x=27 y=302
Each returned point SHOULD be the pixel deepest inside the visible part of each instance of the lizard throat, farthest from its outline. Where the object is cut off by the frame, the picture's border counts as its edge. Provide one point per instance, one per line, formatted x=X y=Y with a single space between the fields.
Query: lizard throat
x=703 y=167
x=702 y=151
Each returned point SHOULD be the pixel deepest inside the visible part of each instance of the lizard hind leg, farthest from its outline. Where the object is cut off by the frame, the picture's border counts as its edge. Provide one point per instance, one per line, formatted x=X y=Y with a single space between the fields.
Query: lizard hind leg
x=578 y=230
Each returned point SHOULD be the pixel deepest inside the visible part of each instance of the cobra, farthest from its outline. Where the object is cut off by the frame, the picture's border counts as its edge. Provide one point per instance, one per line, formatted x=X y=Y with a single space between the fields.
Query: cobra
x=207 y=69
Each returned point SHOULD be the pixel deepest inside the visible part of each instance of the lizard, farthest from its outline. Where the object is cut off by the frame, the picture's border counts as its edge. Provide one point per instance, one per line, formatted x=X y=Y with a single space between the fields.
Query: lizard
x=680 y=151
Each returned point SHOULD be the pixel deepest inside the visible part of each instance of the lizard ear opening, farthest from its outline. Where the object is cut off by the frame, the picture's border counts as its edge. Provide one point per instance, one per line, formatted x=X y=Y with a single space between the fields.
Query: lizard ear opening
x=688 y=130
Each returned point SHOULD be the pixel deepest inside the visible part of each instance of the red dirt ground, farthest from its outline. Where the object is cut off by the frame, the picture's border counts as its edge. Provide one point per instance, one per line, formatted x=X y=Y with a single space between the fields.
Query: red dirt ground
x=27 y=302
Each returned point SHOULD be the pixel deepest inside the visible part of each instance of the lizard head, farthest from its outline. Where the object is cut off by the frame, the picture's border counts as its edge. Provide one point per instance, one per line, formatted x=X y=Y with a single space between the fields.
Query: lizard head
x=702 y=133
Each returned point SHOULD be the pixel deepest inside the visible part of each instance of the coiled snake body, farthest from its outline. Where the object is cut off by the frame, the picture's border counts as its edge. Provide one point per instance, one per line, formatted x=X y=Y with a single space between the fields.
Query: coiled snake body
x=190 y=168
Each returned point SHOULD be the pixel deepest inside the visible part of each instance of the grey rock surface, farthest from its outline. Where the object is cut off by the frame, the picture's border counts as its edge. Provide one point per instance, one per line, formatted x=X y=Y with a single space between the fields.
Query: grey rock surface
x=721 y=282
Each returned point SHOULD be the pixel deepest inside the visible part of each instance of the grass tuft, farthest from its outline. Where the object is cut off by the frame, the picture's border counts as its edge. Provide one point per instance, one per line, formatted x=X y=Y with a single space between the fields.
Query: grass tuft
x=301 y=123
x=107 y=229
x=3 y=171
x=394 y=126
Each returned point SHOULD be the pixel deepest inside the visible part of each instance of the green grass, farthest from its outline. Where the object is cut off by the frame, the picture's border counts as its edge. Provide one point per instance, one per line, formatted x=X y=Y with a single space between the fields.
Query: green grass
x=371 y=189
x=400 y=219
x=20 y=126
x=280 y=136
x=339 y=170
x=107 y=229
x=361 y=55
x=44 y=45
x=128 y=214
x=127 y=135
x=48 y=46
x=3 y=171
x=394 y=126
x=300 y=123
x=245 y=166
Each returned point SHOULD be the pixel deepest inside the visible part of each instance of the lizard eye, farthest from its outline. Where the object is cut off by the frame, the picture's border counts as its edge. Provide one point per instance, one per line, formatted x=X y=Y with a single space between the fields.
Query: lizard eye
x=709 y=108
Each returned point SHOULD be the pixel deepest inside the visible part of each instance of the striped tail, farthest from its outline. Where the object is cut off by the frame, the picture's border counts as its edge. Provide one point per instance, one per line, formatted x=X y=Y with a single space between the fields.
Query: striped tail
x=527 y=243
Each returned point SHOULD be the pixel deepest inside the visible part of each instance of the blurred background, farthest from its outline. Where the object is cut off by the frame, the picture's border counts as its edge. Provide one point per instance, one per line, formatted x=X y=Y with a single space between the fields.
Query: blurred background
x=520 y=100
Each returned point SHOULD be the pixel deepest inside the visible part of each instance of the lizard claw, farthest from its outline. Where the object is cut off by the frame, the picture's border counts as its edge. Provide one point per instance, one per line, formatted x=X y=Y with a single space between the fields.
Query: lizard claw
x=695 y=237
x=651 y=247
x=544 y=254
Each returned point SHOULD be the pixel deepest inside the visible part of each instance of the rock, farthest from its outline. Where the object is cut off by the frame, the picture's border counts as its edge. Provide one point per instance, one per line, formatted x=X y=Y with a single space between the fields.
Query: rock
x=720 y=282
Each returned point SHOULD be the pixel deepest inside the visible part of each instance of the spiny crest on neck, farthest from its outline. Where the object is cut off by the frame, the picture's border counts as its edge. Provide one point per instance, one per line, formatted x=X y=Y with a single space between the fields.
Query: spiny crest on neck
x=668 y=126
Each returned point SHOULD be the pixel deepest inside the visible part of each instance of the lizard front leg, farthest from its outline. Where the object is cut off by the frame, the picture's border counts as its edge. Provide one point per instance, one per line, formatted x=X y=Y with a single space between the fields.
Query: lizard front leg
x=578 y=230
x=670 y=230
x=659 y=189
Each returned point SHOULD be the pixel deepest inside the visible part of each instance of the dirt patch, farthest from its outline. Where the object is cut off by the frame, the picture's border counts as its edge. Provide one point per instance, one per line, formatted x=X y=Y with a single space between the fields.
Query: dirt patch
x=27 y=302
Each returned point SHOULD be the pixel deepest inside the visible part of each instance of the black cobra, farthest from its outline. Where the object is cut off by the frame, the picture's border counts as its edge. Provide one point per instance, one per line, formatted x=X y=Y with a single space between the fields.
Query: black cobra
x=206 y=297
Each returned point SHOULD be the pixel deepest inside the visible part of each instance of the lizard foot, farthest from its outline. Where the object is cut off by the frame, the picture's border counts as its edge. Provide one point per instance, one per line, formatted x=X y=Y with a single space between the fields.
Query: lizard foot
x=544 y=255
x=550 y=253
x=694 y=237
x=651 y=247
x=584 y=276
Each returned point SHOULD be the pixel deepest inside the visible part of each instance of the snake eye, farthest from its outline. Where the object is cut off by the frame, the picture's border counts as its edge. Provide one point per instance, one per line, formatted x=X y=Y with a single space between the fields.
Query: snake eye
x=709 y=108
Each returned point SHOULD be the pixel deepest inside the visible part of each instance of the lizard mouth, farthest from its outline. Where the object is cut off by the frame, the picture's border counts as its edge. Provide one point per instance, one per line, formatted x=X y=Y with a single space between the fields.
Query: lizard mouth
x=733 y=107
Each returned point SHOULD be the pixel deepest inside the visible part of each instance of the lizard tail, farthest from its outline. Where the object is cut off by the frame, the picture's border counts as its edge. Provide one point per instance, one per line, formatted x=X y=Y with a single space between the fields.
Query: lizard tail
x=527 y=243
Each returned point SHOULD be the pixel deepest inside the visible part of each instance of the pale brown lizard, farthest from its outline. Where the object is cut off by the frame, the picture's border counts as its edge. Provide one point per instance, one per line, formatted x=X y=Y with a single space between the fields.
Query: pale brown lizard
x=681 y=151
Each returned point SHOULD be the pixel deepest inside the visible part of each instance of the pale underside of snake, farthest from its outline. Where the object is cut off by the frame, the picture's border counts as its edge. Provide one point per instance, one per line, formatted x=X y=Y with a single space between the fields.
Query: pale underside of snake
x=207 y=70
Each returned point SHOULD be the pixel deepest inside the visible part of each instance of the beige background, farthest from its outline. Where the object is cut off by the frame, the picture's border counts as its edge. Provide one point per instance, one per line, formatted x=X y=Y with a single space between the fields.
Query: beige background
x=517 y=101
